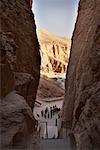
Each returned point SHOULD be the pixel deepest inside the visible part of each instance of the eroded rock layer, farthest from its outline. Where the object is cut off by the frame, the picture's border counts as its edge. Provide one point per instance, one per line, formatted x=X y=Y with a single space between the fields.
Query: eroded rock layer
x=82 y=99
x=20 y=71
x=54 y=52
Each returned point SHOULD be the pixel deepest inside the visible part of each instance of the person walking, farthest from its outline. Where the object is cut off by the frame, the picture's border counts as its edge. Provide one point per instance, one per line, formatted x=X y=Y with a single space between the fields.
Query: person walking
x=48 y=114
x=56 y=122
x=41 y=113
x=51 y=113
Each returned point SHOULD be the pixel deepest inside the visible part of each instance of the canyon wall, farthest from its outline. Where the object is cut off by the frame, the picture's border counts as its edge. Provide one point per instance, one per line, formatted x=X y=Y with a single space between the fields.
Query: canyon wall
x=20 y=72
x=54 y=52
x=81 y=107
x=17 y=19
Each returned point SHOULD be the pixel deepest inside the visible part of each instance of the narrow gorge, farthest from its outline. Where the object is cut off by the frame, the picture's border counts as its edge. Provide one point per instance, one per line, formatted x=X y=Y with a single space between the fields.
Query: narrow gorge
x=21 y=64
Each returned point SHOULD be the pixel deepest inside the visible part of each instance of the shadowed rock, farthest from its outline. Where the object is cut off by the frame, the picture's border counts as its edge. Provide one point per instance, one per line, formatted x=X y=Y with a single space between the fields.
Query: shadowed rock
x=16 y=17
x=82 y=100
x=20 y=71
x=16 y=123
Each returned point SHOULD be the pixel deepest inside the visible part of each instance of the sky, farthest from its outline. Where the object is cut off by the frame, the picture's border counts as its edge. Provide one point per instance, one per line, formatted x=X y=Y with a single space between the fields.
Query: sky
x=56 y=16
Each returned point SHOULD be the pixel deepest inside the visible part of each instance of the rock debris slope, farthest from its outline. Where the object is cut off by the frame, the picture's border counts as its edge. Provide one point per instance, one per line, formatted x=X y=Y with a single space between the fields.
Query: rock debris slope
x=82 y=99
x=49 y=88
x=20 y=72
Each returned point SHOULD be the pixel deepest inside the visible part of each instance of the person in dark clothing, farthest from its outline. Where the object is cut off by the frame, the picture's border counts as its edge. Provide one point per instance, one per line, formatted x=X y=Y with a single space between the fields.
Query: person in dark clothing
x=56 y=122
x=50 y=108
x=44 y=115
x=51 y=113
x=38 y=115
x=41 y=113
x=46 y=110
x=58 y=116
x=48 y=115
x=55 y=106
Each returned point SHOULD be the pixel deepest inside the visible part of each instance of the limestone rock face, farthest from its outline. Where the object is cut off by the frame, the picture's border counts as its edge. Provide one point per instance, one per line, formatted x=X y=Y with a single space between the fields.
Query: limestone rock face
x=82 y=99
x=16 y=17
x=54 y=52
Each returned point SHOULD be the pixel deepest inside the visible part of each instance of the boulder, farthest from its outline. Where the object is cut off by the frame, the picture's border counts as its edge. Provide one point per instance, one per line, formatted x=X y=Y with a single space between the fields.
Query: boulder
x=17 y=123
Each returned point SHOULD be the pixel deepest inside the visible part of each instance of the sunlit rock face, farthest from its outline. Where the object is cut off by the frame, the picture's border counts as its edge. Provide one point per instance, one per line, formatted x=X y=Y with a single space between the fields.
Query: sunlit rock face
x=54 y=52
x=20 y=71
x=82 y=100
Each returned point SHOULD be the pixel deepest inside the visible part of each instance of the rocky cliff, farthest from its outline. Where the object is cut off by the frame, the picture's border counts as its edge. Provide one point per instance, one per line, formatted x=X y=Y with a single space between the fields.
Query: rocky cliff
x=54 y=52
x=20 y=72
x=82 y=99
x=24 y=55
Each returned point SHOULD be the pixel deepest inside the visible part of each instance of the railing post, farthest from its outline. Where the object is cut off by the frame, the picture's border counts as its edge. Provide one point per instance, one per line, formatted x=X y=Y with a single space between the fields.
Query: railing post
x=46 y=130
x=56 y=122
